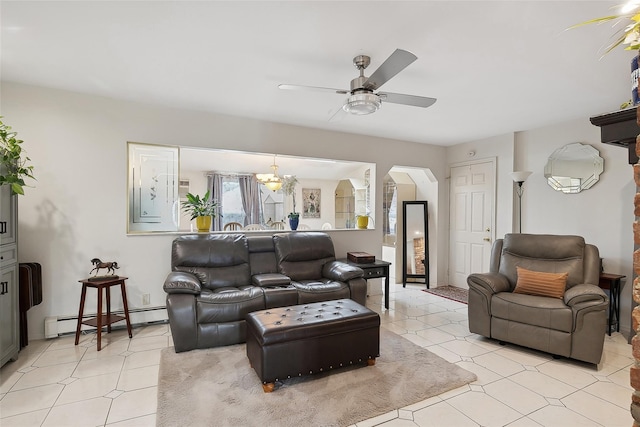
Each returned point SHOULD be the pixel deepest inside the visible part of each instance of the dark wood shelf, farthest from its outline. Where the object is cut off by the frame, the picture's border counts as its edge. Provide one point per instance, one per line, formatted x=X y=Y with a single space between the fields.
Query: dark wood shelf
x=619 y=128
x=106 y=320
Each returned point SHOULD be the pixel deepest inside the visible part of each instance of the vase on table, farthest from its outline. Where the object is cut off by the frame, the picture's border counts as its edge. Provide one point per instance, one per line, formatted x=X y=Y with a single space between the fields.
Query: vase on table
x=293 y=222
x=203 y=223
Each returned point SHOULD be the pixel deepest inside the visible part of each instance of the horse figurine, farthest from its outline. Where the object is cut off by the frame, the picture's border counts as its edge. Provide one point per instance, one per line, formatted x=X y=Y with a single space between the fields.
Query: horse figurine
x=110 y=266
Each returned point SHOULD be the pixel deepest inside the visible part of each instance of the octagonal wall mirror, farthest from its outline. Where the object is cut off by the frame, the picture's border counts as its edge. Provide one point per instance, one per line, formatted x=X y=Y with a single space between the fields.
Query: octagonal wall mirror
x=573 y=168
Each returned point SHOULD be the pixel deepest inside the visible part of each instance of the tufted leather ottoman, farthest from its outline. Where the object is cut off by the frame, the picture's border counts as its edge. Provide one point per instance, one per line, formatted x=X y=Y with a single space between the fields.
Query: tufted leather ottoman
x=310 y=338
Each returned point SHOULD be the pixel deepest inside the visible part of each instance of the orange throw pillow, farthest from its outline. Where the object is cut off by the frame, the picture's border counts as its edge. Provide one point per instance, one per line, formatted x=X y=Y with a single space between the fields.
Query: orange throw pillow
x=542 y=284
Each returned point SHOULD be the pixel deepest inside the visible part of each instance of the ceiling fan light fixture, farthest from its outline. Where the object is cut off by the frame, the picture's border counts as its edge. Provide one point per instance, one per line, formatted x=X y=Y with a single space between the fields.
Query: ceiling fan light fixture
x=362 y=103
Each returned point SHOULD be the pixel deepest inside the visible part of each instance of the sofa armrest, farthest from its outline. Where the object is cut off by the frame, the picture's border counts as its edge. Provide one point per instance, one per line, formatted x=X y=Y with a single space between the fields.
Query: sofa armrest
x=584 y=293
x=341 y=271
x=490 y=283
x=180 y=282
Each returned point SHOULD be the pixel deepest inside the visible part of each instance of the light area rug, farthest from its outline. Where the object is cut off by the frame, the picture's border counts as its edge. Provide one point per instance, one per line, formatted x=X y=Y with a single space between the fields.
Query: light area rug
x=217 y=387
x=450 y=292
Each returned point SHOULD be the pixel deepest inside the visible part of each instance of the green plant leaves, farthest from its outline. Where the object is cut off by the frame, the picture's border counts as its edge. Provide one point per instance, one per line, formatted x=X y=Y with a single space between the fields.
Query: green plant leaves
x=196 y=206
x=14 y=167
x=629 y=36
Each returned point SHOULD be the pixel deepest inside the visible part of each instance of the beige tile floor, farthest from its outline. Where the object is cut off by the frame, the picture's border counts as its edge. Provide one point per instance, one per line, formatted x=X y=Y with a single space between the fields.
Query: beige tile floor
x=54 y=383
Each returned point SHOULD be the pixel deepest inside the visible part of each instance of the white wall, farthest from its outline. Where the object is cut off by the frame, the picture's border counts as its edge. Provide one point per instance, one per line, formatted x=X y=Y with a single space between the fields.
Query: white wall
x=602 y=214
x=77 y=210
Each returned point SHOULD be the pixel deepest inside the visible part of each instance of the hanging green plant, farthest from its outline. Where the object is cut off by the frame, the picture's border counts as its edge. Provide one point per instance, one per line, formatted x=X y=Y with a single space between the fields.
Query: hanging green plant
x=14 y=167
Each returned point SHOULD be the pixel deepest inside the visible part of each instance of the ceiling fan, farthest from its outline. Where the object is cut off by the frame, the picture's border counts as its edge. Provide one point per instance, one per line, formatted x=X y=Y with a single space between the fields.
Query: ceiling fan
x=362 y=97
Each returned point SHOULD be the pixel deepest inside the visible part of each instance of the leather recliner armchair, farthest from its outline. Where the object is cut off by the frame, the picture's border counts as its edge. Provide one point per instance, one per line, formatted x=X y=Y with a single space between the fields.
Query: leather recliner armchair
x=573 y=326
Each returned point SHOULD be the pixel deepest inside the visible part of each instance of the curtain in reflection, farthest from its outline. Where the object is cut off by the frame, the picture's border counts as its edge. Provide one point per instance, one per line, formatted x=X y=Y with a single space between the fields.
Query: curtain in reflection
x=389 y=211
x=214 y=185
x=250 y=192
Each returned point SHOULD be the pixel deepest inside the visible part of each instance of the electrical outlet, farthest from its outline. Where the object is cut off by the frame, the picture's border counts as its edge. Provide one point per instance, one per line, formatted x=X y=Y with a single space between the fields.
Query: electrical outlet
x=146 y=299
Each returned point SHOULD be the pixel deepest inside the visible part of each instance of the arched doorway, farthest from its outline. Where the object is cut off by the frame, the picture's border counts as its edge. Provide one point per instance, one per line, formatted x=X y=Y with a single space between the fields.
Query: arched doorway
x=406 y=183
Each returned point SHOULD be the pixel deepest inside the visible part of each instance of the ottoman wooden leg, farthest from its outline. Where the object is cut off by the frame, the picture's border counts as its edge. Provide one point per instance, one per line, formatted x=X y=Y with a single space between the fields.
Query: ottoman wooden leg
x=268 y=387
x=371 y=362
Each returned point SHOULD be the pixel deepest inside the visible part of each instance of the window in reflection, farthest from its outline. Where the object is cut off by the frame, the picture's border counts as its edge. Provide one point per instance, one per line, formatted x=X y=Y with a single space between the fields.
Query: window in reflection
x=232 y=210
x=199 y=168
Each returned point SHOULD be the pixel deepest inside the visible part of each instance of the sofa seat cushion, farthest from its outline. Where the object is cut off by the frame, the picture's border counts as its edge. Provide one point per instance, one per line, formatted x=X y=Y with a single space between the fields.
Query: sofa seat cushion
x=228 y=304
x=320 y=290
x=545 y=312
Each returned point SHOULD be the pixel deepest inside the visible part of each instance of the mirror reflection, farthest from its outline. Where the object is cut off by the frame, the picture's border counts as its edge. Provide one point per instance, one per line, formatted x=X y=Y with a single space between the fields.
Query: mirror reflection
x=415 y=240
x=325 y=193
x=573 y=168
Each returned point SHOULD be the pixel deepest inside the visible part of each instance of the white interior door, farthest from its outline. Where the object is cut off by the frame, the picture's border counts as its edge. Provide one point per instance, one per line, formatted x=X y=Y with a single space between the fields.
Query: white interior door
x=471 y=202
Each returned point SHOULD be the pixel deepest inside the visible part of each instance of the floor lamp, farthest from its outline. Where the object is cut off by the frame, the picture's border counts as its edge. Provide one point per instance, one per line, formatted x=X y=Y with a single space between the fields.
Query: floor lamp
x=519 y=178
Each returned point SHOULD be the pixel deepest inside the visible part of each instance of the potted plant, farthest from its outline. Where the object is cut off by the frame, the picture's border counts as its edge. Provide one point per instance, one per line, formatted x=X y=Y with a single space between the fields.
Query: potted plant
x=362 y=221
x=203 y=210
x=629 y=35
x=289 y=188
x=14 y=166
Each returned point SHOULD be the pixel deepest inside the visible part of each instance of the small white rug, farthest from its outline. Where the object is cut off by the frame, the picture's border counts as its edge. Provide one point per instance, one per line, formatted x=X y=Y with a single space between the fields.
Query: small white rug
x=217 y=387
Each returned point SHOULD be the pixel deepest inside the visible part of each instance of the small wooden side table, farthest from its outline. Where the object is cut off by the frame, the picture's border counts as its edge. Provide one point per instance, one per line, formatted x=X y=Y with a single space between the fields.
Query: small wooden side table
x=612 y=282
x=101 y=319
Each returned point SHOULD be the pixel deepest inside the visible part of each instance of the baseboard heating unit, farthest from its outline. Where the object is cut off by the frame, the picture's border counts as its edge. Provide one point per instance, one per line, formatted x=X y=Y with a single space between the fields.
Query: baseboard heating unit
x=56 y=326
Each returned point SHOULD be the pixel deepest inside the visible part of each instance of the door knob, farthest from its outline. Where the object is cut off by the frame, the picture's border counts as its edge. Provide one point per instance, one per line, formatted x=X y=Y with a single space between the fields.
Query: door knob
x=487 y=239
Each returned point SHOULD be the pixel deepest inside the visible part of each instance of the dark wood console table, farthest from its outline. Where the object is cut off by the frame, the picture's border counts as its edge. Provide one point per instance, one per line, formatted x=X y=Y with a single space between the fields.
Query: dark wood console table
x=612 y=282
x=101 y=319
x=374 y=270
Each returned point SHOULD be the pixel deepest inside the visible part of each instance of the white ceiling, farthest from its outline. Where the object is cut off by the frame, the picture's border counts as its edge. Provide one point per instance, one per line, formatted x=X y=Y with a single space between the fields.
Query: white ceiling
x=495 y=66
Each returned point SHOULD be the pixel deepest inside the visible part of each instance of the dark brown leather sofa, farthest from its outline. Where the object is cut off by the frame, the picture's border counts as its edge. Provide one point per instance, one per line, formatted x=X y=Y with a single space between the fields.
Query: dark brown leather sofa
x=572 y=326
x=217 y=279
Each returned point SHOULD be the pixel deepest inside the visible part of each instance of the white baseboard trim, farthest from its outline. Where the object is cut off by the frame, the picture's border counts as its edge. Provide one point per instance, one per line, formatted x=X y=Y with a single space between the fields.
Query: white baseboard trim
x=62 y=325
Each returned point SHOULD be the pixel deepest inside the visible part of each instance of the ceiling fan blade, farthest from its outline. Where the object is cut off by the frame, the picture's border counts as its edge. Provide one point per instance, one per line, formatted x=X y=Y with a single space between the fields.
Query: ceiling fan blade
x=413 y=100
x=398 y=61
x=313 y=88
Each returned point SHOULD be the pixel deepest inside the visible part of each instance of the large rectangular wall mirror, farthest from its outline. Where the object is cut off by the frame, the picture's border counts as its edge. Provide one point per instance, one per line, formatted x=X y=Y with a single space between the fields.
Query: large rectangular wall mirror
x=415 y=242
x=320 y=195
